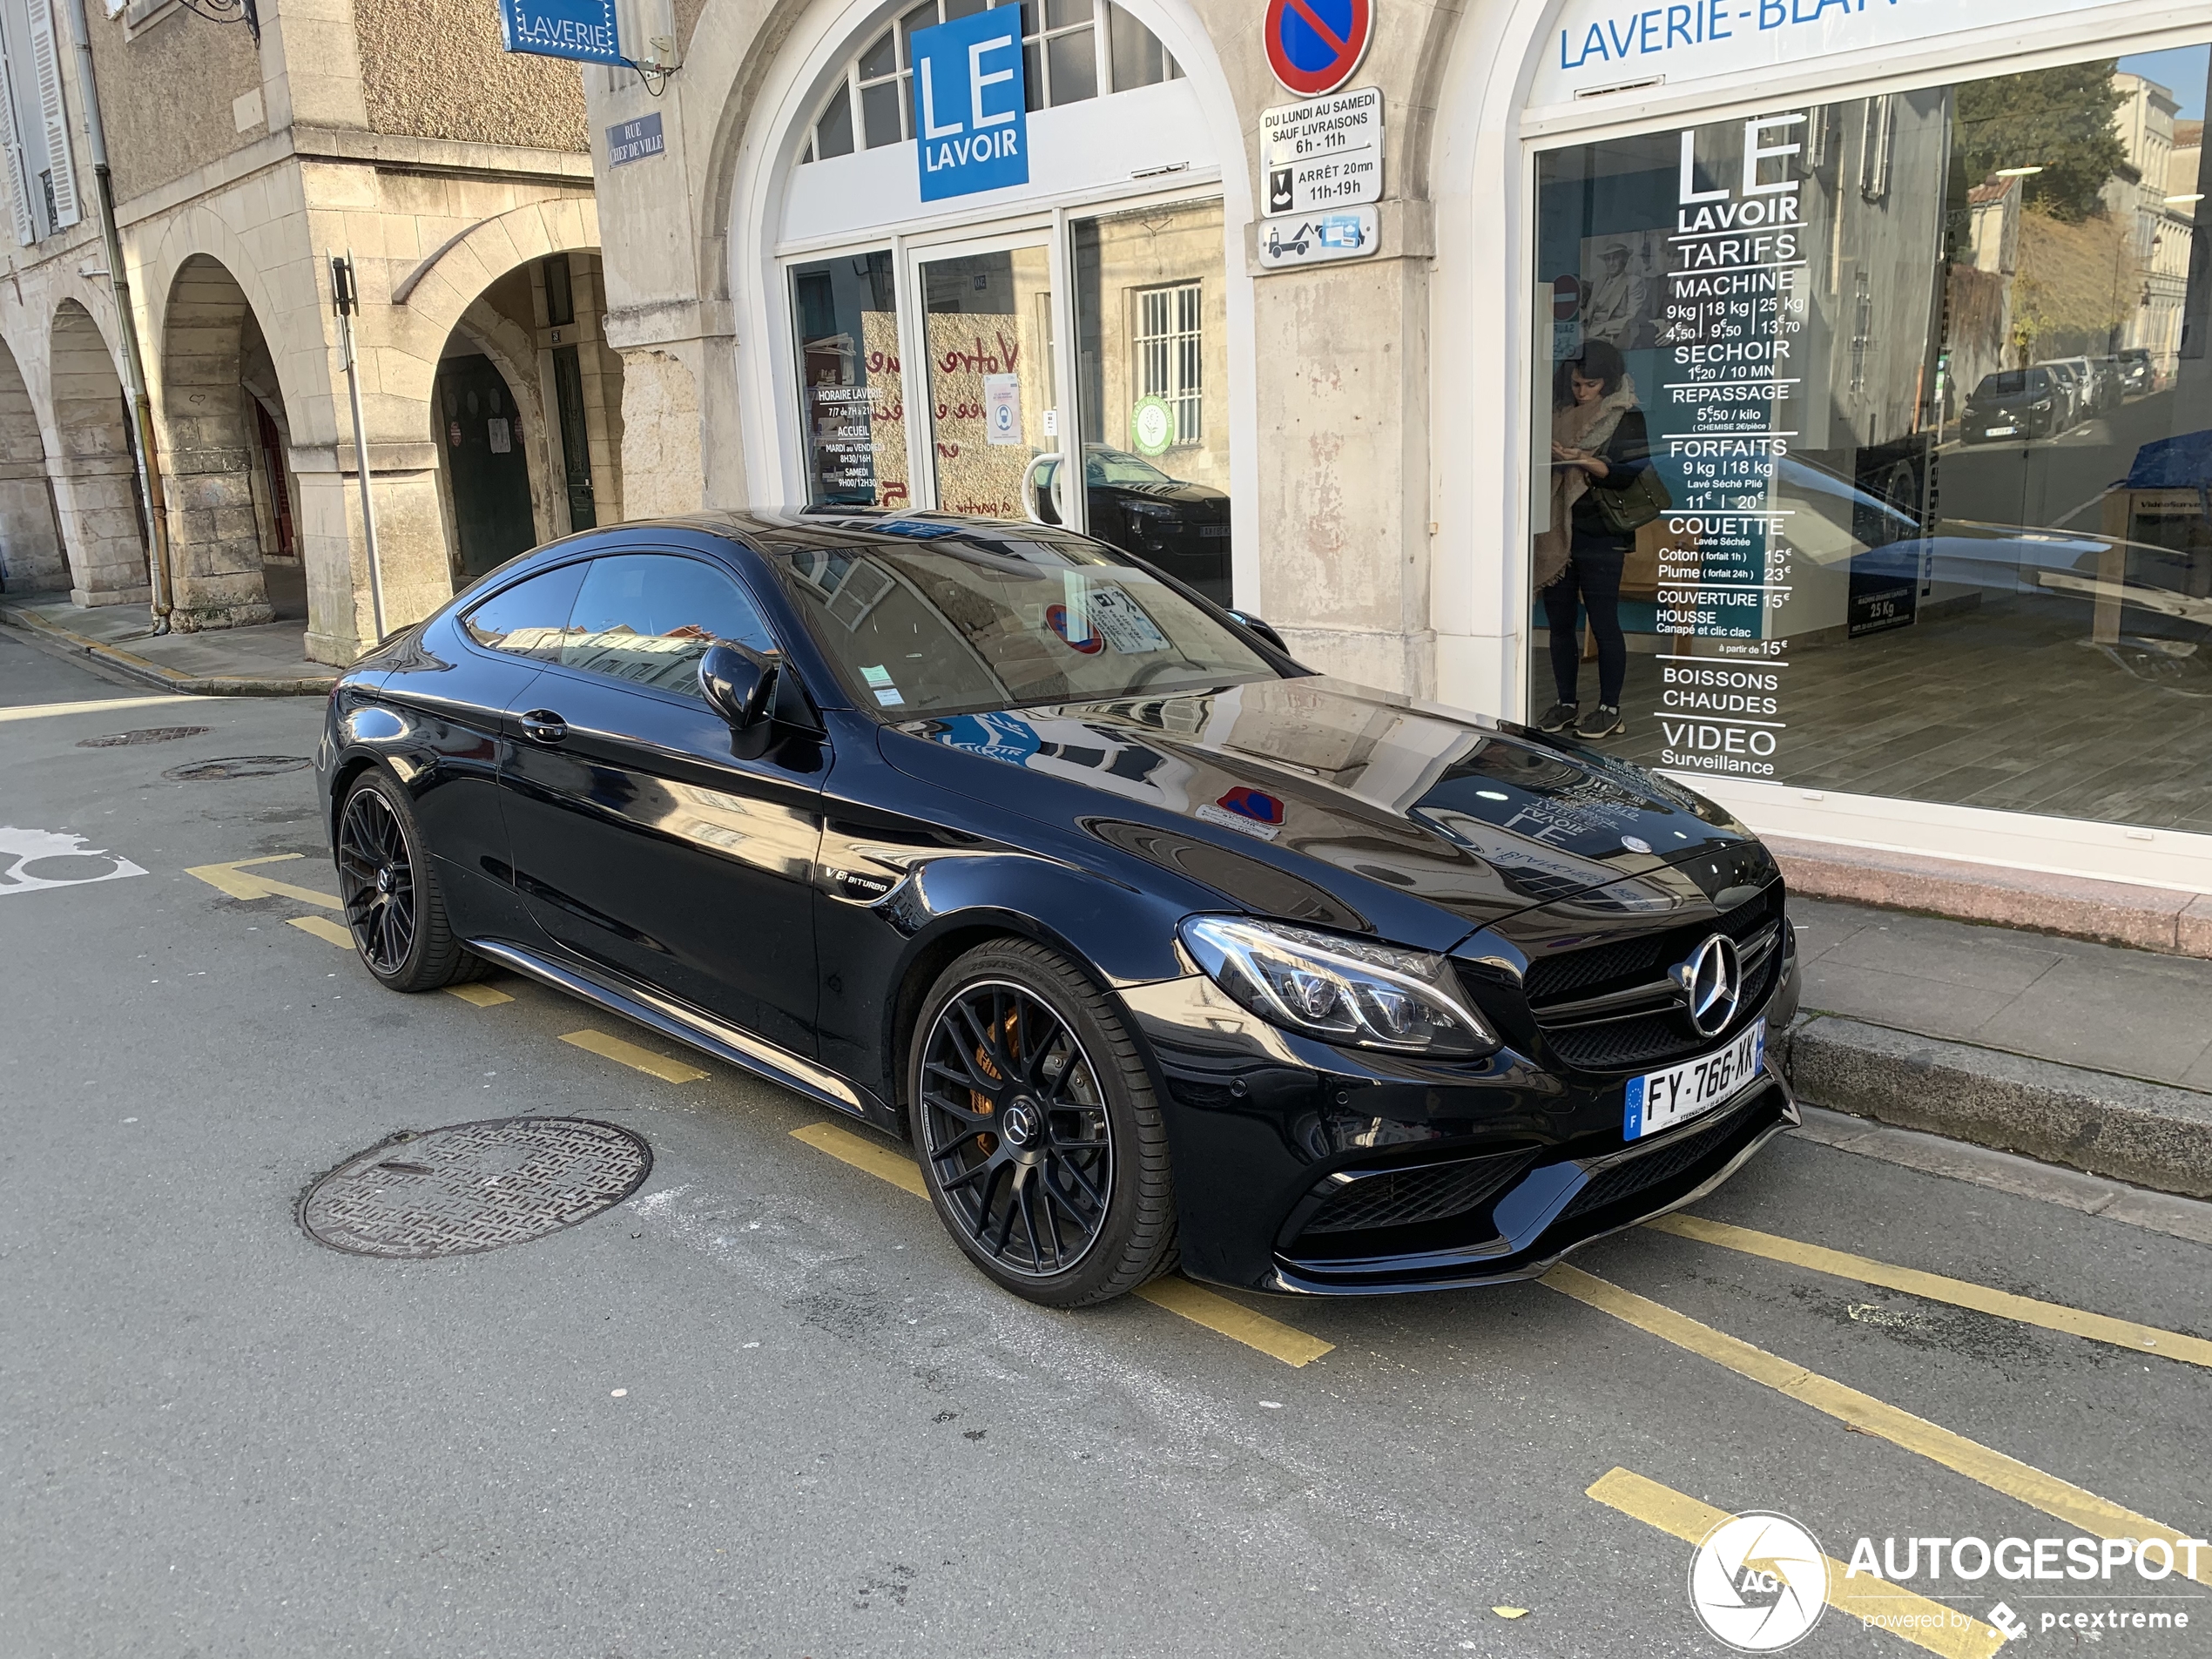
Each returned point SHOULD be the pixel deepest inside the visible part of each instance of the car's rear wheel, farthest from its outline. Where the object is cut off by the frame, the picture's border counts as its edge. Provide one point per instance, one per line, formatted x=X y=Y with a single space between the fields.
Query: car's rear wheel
x=392 y=906
x=1040 y=1139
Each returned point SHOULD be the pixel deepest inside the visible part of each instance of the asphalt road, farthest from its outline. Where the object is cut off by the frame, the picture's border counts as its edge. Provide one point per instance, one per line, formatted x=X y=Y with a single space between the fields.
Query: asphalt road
x=764 y=1407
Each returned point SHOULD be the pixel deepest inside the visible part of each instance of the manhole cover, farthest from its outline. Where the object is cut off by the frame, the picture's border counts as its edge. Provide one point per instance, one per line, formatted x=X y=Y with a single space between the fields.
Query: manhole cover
x=475 y=1186
x=194 y=771
x=144 y=734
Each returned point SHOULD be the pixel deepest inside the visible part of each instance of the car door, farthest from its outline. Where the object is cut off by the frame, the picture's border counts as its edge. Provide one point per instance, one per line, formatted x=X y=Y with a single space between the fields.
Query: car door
x=459 y=693
x=641 y=842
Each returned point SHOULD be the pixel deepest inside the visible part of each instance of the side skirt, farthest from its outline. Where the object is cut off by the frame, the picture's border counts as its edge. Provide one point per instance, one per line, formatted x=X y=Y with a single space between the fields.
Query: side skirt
x=687 y=1025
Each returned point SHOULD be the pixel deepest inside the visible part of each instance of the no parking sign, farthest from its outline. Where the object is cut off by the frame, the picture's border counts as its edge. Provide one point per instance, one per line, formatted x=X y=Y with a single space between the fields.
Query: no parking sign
x=1314 y=45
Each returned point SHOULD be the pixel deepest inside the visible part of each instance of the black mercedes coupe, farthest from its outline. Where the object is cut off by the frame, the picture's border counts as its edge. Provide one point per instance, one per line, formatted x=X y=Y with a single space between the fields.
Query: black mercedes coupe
x=1157 y=947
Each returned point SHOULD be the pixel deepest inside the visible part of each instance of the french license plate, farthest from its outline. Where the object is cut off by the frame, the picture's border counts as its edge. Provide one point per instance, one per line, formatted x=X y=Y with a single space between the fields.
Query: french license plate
x=1213 y=529
x=1660 y=1100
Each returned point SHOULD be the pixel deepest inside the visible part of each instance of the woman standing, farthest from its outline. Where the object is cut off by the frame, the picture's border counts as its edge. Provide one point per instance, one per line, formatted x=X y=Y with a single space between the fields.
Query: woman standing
x=1598 y=442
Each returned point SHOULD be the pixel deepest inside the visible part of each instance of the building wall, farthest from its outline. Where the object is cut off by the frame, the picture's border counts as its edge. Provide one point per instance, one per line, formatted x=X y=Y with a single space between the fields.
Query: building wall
x=435 y=68
x=170 y=87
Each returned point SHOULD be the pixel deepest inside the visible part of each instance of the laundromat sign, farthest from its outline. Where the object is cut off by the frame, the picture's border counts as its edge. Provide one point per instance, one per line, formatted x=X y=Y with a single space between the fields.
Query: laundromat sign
x=1596 y=45
x=971 y=128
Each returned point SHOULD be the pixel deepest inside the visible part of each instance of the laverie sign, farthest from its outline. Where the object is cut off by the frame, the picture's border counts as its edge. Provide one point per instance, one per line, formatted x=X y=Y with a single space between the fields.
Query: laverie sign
x=971 y=128
x=579 y=29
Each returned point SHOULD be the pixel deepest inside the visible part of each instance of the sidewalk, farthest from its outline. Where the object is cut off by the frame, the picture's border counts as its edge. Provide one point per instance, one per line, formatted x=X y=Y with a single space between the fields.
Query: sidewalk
x=2092 y=1057
x=267 y=661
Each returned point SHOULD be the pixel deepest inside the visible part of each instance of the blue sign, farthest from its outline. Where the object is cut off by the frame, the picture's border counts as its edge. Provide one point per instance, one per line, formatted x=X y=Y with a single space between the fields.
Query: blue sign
x=970 y=126
x=582 y=29
x=634 y=140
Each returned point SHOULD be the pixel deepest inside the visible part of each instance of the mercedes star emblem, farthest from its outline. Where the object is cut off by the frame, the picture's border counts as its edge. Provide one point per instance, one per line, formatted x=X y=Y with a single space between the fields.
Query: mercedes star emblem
x=1712 y=979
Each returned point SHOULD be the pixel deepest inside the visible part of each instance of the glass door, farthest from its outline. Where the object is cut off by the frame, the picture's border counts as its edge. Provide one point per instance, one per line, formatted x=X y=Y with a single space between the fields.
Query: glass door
x=987 y=336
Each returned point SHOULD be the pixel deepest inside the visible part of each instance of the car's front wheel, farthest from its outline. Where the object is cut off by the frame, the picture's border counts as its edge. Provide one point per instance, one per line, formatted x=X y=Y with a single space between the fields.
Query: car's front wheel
x=1040 y=1139
x=392 y=906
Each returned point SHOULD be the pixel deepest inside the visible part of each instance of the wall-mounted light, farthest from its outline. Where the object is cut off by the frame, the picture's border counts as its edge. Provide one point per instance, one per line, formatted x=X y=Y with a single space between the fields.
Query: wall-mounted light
x=2017 y=172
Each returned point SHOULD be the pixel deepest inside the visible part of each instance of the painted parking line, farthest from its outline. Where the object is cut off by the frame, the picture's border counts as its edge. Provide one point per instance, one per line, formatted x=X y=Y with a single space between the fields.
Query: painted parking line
x=1897 y=1612
x=1179 y=1295
x=482 y=996
x=2021 y=1482
x=863 y=1154
x=323 y=928
x=2051 y=1316
x=231 y=879
x=1234 y=1320
x=41 y=711
x=638 y=1059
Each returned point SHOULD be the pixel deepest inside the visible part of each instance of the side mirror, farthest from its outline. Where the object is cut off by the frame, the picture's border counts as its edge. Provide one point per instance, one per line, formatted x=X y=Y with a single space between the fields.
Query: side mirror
x=1262 y=630
x=738 y=683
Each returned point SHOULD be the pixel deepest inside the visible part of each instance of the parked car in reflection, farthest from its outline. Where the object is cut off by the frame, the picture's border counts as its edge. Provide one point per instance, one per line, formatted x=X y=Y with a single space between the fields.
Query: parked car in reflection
x=2137 y=377
x=2018 y=403
x=1180 y=526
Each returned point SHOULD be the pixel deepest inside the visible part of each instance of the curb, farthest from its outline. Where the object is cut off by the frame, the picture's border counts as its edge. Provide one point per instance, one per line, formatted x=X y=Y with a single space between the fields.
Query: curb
x=2149 y=1135
x=2166 y=919
x=166 y=679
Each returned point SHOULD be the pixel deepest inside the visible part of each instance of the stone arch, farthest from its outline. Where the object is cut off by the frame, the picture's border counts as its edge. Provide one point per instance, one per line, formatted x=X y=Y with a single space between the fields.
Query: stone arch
x=443 y=286
x=209 y=450
x=96 y=490
x=30 y=548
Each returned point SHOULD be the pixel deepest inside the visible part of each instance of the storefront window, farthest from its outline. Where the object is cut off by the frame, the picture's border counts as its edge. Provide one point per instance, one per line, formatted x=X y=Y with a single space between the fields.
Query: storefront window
x=988 y=319
x=1152 y=365
x=1876 y=447
x=852 y=411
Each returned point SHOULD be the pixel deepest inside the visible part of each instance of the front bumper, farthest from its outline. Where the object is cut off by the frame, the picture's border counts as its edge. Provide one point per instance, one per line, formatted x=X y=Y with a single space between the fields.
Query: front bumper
x=1310 y=1170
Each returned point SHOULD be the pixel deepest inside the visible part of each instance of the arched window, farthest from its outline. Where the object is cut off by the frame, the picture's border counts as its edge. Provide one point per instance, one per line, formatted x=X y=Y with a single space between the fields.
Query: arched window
x=1073 y=49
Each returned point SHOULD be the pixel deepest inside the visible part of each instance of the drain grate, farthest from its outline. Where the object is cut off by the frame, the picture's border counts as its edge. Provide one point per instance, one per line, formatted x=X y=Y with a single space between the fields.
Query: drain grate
x=144 y=734
x=474 y=1187
x=193 y=771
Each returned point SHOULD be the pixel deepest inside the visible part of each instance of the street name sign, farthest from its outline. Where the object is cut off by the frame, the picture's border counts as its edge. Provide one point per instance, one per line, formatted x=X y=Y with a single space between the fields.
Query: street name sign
x=629 y=141
x=1325 y=154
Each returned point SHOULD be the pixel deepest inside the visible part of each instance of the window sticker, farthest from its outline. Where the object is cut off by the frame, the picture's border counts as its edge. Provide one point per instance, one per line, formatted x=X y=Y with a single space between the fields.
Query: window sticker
x=1086 y=642
x=879 y=679
x=1122 y=623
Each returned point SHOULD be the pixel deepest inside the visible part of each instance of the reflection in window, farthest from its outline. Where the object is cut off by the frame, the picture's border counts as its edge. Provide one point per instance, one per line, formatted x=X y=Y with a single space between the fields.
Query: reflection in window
x=528 y=619
x=1929 y=437
x=1171 y=365
x=648 y=618
x=853 y=410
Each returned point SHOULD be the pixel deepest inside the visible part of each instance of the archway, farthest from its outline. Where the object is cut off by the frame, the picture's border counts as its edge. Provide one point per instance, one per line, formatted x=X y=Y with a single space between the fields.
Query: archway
x=211 y=451
x=96 y=492
x=31 y=549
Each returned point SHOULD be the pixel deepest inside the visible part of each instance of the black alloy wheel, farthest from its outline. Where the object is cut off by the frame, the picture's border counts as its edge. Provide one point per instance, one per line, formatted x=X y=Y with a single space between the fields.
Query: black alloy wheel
x=392 y=906
x=1042 y=1144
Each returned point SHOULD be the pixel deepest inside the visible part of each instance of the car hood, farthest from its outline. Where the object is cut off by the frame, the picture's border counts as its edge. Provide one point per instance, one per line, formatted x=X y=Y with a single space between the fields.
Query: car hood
x=1317 y=798
x=1177 y=489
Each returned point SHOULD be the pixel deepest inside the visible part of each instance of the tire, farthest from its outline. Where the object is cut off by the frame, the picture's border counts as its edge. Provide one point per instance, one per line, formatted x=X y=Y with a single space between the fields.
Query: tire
x=389 y=888
x=1014 y=1041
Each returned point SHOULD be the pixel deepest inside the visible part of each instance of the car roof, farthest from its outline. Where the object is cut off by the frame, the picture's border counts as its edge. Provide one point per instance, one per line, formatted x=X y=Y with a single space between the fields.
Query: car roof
x=780 y=529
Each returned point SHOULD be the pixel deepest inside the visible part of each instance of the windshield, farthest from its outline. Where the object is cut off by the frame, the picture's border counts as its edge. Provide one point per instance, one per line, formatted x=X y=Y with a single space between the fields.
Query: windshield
x=1105 y=466
x=966 y=623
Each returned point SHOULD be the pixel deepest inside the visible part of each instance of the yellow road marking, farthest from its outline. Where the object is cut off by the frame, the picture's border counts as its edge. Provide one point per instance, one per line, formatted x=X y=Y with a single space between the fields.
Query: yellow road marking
x=863 y=1154
x=482 y=996
x=2051 y=1315
x=39 y=710
x=1956 y=1635
x=322 y=927
x=2023 y=1481
x=1233 y=1320
x=638 y=1059
x=1216 y=1314
x=230 y=879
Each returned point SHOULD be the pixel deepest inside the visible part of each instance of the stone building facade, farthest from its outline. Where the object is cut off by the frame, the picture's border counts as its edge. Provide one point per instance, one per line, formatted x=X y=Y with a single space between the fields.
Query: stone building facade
x=458 y=179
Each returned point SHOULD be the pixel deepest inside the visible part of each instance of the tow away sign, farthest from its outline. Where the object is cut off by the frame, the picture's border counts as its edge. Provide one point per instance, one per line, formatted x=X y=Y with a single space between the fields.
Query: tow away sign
x=1351 y=234
x=1325 y=154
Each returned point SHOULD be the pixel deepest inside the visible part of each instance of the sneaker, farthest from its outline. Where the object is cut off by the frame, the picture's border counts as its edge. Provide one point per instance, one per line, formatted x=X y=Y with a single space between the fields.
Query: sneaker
x=1559 y=717
x=1601 y=722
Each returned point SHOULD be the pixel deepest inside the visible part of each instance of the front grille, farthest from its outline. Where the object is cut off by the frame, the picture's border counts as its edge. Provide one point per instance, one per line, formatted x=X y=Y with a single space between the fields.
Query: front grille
x=1407 y=1198
x=1613 y=1007
x=1659 y=1165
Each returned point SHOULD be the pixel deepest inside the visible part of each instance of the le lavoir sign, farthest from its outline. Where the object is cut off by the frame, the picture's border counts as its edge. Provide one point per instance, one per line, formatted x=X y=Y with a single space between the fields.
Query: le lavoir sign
x=971 y=131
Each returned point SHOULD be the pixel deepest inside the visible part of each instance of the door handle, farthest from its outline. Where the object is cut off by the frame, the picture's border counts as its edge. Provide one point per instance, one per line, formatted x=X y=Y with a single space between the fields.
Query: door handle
x=542 y=726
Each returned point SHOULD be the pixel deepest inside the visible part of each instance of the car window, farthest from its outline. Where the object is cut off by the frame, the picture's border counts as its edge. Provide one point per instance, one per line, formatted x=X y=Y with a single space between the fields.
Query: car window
x=527 y=619
x=649 y=617
x=967 y=621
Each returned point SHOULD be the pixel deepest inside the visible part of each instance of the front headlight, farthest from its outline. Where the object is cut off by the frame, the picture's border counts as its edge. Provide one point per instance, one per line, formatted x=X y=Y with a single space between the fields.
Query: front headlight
x=1340 y=990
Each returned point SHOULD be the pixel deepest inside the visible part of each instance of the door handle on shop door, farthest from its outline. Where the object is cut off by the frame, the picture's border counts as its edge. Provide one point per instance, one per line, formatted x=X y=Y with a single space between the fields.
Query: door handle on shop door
x=542 y=726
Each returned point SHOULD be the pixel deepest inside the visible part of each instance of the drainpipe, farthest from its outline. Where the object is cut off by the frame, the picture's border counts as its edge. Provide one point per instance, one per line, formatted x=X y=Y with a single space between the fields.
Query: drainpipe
x=134 y=367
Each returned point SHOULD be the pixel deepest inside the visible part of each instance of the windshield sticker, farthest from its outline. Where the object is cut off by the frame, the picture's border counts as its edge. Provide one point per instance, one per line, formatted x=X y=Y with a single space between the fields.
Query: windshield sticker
x=1244 y=825
x=879 y=679
x=1124 y=624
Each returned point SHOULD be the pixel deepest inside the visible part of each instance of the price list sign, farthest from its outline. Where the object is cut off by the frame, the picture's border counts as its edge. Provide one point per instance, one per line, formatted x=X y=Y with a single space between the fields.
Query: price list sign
x=1732 y=322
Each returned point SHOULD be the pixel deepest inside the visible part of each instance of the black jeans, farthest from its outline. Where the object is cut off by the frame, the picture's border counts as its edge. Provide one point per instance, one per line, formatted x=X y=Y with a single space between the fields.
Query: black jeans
x=1592 y=583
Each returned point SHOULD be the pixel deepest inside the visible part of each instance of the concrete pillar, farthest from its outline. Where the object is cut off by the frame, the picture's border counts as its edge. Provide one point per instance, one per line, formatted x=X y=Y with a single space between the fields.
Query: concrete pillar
x=410 y=533
x=30 y=548
x=95 y=491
